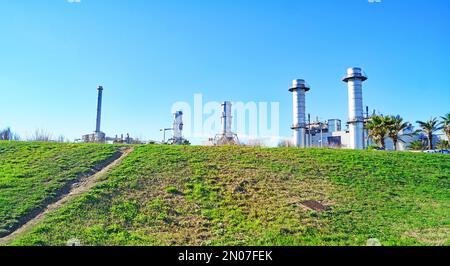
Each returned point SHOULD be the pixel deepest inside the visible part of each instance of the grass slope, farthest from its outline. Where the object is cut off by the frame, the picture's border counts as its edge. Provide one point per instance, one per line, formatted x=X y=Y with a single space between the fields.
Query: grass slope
x=168 y=195
x=33 y=174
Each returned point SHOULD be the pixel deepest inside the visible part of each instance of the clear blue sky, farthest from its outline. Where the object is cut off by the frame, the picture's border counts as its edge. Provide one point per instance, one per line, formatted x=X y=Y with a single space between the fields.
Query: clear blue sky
x=150 y=54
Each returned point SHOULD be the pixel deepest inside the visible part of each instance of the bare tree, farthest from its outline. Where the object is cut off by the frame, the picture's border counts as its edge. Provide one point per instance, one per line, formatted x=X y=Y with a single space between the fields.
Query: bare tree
x=7 y=134
x=61 y=138
x=285 y=143
x=41 y=135
x=255 y=143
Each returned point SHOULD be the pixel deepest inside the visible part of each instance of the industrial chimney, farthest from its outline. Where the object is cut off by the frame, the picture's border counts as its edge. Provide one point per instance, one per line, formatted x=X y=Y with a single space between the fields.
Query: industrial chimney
x=226 y=137
x=226 y=119
x=99 y=109
x=299 y=89
x=354 y=79
x=178 y=128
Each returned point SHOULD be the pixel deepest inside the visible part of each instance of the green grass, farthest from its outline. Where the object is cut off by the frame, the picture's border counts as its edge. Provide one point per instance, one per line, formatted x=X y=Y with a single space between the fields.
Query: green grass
x=33 y=174
x=168 y=195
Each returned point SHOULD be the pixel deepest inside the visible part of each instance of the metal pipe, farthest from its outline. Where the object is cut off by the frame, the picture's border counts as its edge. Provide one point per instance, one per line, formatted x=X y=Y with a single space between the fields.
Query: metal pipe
x=354 y=80
x=321 y=134
x=299 y=89
x=309 y=131
x=99 y=109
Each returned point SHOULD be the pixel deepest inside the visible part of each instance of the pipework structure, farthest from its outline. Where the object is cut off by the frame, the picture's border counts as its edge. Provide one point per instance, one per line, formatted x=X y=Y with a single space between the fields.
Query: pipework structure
x=177 y=138
x=226 y=137
x=354 y=79
x=299 y=89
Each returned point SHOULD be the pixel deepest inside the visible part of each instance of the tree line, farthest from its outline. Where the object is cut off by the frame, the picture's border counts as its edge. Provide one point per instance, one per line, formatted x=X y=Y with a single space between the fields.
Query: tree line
x=381 y=127
x=38 y=135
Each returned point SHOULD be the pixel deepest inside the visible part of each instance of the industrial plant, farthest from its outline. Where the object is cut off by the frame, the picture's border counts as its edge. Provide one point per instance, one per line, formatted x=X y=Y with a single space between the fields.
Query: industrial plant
x=306 y=133
x=177 y=129
x=99 y=136
x=330 y=133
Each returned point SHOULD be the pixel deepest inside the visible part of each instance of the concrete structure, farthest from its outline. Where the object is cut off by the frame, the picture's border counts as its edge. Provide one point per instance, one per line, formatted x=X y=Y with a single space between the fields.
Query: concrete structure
x=299 y=89
x=99 y=109
x=354 y=80
x=327 y=134
x=226 y=137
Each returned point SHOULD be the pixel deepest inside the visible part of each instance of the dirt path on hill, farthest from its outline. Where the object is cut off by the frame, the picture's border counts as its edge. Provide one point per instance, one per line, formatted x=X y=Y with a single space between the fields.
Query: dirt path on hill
x=78 y=188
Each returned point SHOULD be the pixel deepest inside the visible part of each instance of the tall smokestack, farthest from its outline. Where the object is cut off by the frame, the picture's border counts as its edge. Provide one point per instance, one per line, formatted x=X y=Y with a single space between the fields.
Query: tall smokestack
x=99 y=109
x=354 y=79
x=226 y=119
x=299 y=89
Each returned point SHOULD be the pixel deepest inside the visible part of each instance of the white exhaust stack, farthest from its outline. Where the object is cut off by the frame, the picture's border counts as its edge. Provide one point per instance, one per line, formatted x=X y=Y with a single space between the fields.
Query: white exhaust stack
x=226 y=136
x=226 y=119
x=178 y=128
x=354 y=79
x=299 y=89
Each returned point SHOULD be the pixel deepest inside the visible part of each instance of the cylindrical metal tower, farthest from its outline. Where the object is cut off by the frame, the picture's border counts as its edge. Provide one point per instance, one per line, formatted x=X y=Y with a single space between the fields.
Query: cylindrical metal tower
x=299 y=89
x=226 y=119
x=354 y=79
x=99 y=109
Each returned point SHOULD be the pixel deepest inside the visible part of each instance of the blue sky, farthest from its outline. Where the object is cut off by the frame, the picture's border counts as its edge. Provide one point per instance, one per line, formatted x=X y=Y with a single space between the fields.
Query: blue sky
x=150 y=54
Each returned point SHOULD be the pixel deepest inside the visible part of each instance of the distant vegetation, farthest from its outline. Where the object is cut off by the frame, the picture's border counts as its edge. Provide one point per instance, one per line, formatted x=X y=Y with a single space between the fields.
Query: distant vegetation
x=7 y=134
x=381 y=127
x=182 y=195
x=33 y=174
x=429 y=128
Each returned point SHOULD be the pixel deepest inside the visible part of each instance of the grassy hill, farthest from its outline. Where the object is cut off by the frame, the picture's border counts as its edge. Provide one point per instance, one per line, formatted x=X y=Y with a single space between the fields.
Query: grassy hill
x=33 y=174
x=170 y=195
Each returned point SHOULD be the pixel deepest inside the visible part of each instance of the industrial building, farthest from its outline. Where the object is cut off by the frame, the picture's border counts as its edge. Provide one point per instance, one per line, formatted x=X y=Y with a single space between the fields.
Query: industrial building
x=331 y=133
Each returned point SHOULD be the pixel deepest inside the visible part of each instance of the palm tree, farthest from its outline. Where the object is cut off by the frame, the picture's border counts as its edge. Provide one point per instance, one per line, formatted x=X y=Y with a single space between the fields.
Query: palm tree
x=442 y=144
x=446 y=125
x=428 y=128
x=395 y=127
x=417 y=145
x=377 y=127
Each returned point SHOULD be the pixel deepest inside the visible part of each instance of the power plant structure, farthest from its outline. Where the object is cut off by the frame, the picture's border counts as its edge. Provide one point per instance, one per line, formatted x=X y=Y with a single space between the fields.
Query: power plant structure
x=299 y=89
x=306 y=133
x=226 y=137
x=330 y=133
x=98 y=136
x=177 y=138
x=354 y=79
x=177 y=129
